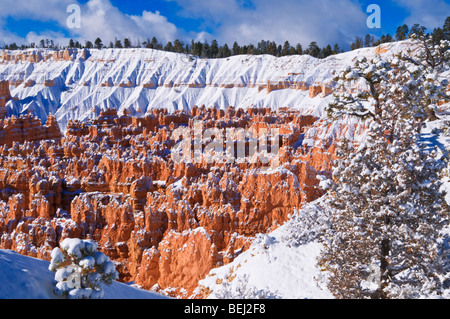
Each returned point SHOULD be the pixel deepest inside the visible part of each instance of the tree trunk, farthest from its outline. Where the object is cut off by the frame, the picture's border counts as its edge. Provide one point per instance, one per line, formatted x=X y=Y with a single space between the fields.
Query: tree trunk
x=384 y=272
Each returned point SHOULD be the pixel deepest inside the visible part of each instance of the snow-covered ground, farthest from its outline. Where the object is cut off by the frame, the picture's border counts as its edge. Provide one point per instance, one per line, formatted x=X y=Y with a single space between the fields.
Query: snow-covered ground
x=281 y=264
x=273 y=271
x=23 y=277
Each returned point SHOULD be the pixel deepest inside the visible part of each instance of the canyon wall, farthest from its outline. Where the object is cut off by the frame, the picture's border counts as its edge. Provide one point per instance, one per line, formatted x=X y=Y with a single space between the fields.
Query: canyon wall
x=73 y=84
x=103 y=165
x=166 y=224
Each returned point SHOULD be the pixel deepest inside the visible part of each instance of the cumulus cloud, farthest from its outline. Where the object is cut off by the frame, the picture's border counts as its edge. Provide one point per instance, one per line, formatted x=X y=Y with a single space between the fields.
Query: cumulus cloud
x=429 y=13
x=324 y=21
x=51 y=10
x=99 y=18
x=244 y=21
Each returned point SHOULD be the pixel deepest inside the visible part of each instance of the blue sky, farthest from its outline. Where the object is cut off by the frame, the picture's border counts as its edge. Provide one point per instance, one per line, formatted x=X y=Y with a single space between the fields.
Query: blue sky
x=244 y=21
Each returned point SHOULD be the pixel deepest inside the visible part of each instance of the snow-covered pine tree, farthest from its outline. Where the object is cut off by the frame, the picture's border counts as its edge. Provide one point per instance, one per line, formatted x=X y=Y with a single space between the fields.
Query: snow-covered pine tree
x=429 y=54
x=387 y=206
x=430 y=59
x=80 y=270
x=398 y=88
x=387 y=211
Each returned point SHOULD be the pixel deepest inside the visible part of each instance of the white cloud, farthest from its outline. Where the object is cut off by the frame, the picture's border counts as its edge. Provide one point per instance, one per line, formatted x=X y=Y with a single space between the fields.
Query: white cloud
x=99 y=18
x=429 y=13
x=245 y=21
x=35 y=9
x=324 y=21
x=51 y=10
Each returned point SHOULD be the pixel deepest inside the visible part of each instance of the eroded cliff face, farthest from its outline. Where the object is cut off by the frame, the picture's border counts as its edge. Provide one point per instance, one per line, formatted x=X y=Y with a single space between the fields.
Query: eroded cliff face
x=5 y=96
x=71 y=83
x=36 y=56
x=165 y=223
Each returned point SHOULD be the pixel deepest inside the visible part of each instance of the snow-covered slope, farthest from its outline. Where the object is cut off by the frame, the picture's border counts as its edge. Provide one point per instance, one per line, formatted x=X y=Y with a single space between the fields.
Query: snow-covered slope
x=281 y=264
x=23 y=277
x=141 y=79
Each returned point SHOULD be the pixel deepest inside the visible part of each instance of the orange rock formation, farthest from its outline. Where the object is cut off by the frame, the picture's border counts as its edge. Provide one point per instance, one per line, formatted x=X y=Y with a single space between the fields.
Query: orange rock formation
x=165 y=224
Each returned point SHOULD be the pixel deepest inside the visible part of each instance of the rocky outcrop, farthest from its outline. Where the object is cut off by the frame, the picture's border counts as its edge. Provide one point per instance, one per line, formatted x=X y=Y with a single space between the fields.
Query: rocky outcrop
x=28 y=128
x=38 y=55
x=5 y=96
x=323 y=90
x=165 y=223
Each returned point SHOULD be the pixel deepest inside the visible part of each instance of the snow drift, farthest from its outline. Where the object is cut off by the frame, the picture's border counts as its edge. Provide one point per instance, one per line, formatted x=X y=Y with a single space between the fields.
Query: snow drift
x=23 y=277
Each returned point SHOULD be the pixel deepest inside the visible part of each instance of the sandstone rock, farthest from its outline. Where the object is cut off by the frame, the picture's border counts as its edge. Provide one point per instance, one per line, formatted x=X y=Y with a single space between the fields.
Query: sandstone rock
x=164 y=224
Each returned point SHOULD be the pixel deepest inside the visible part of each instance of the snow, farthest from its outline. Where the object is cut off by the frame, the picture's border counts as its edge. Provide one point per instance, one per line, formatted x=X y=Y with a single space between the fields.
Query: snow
x=273 y=267
x=87 y=262
x=283 y=263
x=79 y=91
x=276 y=264
x=73 y=246
x=23 y=277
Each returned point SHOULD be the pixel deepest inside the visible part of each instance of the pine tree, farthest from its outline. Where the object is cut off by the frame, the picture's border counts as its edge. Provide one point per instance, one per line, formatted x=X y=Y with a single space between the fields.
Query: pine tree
x=388 y=38
x=214 y=49
x=169 y=47
x=336 y=49
x=299 y=49
x=13 y=46
x=272 y=48
x=292 y=51
x=313 y=49
x=437 y=36
x=417 y=30
x=432 y=55
x=251 y=49
x=358 y=44
x=385 y=194
x=368 y=40
x=430 y=60
x=446 y=29
x=196 y=48
x=155 y=44
x=286 y=48
x=224 y=51
x=402 y=32
x=327 y=51
x=80 y=270
x=178 y=46
x=236 y=50
x=98 y=43
x=262 y=47
x=118 y=44
x=205 y=53
x=388 y=211
x=126 y=43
